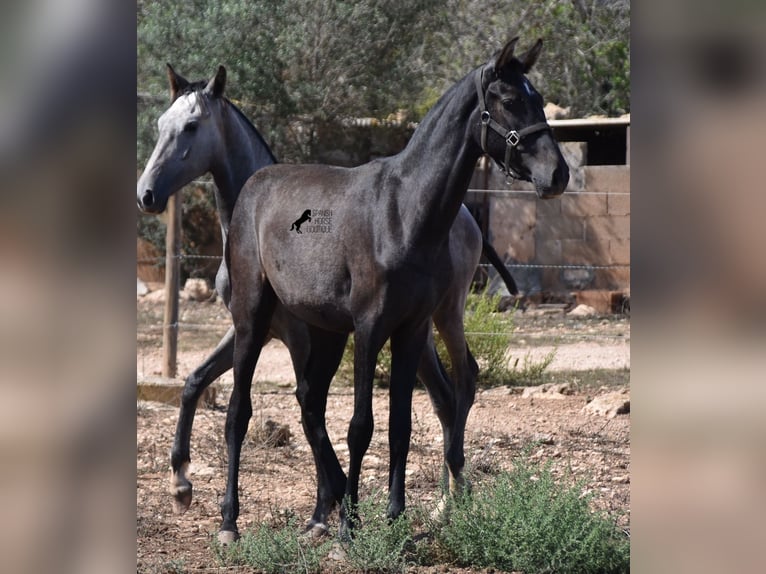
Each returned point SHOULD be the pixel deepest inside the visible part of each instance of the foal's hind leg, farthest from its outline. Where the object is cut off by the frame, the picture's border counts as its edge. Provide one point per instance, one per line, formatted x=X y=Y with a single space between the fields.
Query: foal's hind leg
x=449 y=322
x=313 y=387
x=214 y=366
x=434 y=377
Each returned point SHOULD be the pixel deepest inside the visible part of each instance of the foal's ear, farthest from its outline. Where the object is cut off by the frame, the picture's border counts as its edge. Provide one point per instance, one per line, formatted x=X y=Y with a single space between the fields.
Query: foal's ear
x=216 y=85
x=506 y=54
x=177 y=83
x=530 y=56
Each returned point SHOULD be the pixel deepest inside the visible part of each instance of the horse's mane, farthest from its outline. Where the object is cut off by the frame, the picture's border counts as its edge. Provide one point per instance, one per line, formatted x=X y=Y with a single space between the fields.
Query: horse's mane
x=247 y=122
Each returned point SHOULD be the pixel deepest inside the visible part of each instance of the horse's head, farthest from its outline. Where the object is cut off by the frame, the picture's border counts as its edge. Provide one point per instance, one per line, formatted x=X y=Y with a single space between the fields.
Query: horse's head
x=512 y=127
x=189 y=135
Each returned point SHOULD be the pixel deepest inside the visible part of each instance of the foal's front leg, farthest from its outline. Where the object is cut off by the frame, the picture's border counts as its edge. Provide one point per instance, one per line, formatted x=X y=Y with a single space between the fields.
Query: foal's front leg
x=214 y=366
x=252 y=320
x=406 y=349
x=367 y=344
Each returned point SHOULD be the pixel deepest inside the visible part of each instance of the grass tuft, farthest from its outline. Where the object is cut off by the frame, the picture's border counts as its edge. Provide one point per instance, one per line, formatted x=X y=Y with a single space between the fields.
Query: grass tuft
x=524 y=521
x=274 y=550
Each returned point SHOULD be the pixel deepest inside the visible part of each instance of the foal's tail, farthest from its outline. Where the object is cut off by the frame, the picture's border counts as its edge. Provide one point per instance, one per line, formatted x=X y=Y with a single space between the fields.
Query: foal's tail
x=497 y=263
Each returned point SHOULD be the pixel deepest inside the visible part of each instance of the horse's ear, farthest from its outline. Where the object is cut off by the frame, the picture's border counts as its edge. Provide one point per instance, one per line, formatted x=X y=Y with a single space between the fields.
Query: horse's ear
x=506 y=54
x=177 y=83
x=530 y=56
x=216 y=85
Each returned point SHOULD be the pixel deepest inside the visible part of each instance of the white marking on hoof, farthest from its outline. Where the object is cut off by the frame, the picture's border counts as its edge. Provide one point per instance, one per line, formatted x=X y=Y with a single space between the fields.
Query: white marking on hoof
x=181 y=489
x=316 y=530
x=226 y=537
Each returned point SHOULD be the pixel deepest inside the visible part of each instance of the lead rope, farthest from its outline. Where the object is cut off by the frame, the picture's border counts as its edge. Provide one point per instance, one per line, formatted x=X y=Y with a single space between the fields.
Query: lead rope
x=511 y=137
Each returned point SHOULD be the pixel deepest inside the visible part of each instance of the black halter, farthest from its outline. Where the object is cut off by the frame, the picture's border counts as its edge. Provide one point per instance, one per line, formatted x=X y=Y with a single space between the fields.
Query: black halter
x=511 y=137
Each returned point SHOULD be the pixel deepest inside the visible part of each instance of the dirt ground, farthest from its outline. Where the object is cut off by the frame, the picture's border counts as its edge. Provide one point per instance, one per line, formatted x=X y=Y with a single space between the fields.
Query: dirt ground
x=592 y=353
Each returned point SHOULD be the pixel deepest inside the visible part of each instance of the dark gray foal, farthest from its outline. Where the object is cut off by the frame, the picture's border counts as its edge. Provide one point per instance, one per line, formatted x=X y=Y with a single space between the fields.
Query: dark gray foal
x=384 y=267
x=202 y=131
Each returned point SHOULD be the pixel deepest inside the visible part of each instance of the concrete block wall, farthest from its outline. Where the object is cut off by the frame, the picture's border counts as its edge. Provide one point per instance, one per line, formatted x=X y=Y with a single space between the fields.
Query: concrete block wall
x=587 y=226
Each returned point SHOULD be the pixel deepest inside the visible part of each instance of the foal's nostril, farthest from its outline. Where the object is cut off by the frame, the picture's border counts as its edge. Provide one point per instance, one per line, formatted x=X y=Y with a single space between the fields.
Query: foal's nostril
x=561 y=177
x=148 y=198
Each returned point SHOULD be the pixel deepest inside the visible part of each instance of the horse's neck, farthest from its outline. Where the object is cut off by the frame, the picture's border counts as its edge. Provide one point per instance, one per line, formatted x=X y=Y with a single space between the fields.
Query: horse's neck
x=243 y=153
x=437 y=165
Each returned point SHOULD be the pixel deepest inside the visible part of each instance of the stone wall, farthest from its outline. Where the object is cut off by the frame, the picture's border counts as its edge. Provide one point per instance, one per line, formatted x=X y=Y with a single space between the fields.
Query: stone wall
x=588 y=226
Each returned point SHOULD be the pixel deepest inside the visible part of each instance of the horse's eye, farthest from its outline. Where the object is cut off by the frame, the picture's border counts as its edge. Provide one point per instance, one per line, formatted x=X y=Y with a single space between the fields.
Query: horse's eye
x=508 y=103
x=190 y=127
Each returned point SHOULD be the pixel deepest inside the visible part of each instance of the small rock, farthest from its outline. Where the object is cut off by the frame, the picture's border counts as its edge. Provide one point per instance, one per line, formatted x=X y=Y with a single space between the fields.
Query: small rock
x=609 y=405
x=582 y=310
x=542 y=438
x=141 y=288
x=548 y=391
x=621 y=479
x=196 y=290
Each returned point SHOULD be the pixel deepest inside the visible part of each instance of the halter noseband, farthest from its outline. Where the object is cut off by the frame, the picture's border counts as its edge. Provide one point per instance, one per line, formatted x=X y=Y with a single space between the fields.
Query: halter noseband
x=512 y=137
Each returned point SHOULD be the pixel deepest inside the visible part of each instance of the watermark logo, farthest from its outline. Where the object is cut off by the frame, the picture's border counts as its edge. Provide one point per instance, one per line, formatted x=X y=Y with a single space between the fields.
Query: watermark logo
x=313 y=221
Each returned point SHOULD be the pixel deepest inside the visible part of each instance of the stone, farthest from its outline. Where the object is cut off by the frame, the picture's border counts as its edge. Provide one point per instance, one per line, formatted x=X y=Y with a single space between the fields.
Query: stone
x=609 y=405
x=582 y=311
x=141 y=288
x=547 y=391
x=168 y=391
x=197 y=290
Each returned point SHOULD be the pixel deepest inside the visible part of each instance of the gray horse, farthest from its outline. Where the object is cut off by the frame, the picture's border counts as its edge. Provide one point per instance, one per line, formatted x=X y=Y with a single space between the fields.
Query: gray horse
x=387 y=265
x=203 y=131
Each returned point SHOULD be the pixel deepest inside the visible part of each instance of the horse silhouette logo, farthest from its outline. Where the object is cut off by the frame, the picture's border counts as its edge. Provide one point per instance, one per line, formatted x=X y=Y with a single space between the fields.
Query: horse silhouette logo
x=305 y=216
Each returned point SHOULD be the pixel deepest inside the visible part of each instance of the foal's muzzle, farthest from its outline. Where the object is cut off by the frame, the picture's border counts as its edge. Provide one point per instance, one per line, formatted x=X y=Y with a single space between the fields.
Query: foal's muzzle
x=557 y=185
x=148 y=202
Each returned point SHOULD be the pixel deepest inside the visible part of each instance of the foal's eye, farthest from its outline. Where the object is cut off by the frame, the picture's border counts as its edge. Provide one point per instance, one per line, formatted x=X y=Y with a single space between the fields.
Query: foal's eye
x=508 y=103
x=190 y=127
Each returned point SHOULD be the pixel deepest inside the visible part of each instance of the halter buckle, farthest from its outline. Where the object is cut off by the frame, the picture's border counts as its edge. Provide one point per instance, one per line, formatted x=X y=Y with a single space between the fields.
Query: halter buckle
x=485 y=117
x=513 y=138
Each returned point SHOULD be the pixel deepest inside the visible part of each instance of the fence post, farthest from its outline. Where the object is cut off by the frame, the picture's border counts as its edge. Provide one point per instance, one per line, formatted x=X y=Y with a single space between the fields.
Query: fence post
x=172 y=284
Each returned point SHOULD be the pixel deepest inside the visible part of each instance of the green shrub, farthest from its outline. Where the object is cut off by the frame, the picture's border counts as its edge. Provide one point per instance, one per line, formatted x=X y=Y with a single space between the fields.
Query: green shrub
x=488 y=333
x=524 y=520
x=379 y=544
x=274 y=550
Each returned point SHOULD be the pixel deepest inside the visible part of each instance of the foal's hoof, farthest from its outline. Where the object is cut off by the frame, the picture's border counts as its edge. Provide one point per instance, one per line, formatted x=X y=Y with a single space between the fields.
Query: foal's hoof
x=181 y=489
x=316 y=530
x=182 y=499
x=226 y=537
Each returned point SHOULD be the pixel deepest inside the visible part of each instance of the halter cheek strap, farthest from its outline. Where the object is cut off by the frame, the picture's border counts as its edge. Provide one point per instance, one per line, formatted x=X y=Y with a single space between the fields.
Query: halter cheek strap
x=511 y=137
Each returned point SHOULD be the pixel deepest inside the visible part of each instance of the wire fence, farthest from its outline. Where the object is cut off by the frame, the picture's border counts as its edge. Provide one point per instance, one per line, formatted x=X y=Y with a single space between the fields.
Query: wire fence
x=602 y=335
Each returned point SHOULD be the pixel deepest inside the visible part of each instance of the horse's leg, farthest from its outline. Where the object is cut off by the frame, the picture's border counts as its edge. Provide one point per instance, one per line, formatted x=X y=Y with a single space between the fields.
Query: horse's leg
x=214 y=366
x=406 y=349
x=434 y=377
x=313 y=387
x=252 y=319
x=448 y=318
x=367 y=344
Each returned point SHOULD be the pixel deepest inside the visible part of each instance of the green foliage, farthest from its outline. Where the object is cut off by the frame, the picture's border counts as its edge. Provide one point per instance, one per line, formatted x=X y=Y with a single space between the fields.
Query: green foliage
x=379 y=544
x=488 y=334
x=585 y=63
x=273 y=550
x=524 y=520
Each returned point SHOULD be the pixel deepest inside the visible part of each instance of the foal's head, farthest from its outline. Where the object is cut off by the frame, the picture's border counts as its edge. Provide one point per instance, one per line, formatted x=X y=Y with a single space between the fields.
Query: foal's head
x=189 y=132
x=516 y=133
